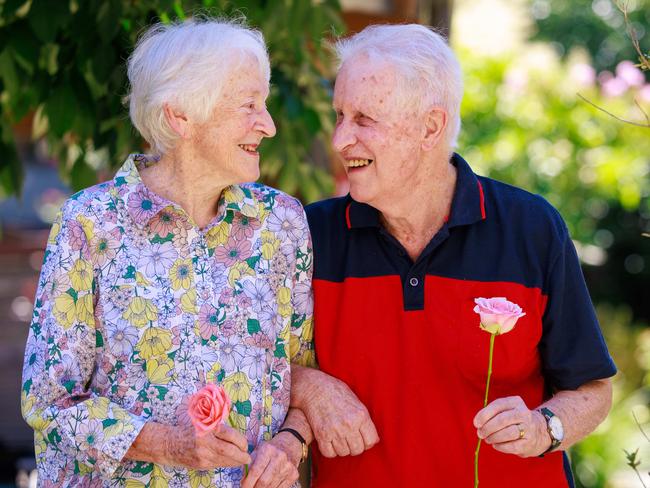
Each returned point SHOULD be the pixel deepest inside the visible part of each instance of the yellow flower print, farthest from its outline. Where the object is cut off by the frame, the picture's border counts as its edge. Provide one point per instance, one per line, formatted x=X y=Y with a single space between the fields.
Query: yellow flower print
x=98 y=408
x=238 y=387
x=40 y=446
x=200 y=478
x=233 y=194
x=65 y=310
x=84 y=309
x=159 y=370
x=154 y=342
x=237 y=421
x=158 y=478
x=284 y=302
x=81 y=275
x=56 y=228
x=268 y=405
x=188 y=301
x=88 y=227
x=262 y=212
x=141 y=280
x=181 y=274
x=218 y=235
x=238 y=271
x=211 y=376
x=270 y=244
x=131 y=483
x=307 y=333
x=140 y=312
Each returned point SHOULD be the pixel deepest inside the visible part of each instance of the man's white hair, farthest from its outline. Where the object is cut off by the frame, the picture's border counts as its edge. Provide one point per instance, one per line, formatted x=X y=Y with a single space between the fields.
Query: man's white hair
x=186 y=64
x=430 y=73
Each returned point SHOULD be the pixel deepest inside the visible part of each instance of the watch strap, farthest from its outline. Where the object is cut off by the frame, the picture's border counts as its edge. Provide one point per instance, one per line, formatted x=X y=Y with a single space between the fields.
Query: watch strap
x=297 y=435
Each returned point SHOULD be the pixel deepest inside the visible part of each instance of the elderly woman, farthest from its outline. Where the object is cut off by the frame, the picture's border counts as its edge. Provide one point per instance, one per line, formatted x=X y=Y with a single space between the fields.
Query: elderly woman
x=171 y=276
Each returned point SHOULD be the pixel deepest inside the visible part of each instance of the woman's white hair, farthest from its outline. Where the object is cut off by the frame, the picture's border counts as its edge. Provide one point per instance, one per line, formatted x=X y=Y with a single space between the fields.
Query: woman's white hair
x=431 y=75
x=186 y=64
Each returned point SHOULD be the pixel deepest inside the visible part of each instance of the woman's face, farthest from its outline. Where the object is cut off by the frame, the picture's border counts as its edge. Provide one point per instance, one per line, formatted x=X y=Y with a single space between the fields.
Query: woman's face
x=229 y=139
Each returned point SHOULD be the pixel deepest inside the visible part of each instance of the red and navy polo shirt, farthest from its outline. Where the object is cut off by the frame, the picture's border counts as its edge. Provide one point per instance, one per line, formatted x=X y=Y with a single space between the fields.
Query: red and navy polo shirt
x=403 y=335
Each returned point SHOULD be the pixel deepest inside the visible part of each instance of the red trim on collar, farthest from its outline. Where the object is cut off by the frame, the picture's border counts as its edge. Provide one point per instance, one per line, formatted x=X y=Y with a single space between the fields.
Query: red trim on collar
x=480 y=191
x=347 y=215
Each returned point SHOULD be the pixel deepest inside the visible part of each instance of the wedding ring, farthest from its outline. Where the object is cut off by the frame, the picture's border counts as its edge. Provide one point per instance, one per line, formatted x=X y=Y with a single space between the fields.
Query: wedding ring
x=522 y=432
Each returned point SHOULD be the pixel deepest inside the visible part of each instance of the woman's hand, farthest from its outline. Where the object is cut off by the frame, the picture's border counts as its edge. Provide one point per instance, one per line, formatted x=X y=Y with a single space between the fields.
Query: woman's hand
x=181 y=446
x=222 y=447
x=274 y=463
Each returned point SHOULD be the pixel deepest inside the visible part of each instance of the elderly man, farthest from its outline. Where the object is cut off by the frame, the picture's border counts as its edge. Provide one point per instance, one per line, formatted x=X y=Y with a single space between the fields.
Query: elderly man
x=398 y=264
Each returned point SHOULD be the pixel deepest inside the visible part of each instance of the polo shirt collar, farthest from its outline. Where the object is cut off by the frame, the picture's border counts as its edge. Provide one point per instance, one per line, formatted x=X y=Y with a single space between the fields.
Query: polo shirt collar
x=142 y=204
x=467 y=207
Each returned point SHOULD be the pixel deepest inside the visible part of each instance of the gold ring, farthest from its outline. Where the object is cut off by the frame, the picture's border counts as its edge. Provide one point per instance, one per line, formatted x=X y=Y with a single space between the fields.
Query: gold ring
x=522 y=432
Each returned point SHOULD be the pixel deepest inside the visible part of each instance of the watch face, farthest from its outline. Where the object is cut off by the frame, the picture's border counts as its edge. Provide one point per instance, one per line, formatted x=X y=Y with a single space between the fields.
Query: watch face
x=557 y=431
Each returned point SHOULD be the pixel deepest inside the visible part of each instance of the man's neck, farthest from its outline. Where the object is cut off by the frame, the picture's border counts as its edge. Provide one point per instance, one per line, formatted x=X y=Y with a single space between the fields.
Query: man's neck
x=420 y=212
x=187 y=182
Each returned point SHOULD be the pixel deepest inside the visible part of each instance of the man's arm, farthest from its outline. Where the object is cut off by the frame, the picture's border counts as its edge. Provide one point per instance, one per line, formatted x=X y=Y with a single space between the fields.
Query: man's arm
x=340 y=423
x=580 y=411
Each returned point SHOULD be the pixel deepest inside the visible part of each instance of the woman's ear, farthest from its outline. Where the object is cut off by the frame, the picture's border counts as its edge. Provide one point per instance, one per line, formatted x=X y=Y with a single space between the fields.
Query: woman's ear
x=177 y=120
x=435 y=123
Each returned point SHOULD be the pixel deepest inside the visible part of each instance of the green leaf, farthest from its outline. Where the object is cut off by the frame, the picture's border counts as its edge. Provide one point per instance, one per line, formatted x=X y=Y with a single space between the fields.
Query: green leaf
x=142 y=468
x=161 y=240
x=53 y=437
x=82 y=175
x=279 y=349
x=60 y=109
x=46 y=18
x=27 y=386
x=252 y=261
x=244 y=408
x=253 y=326
x=130 y=273
x=69 y=385
x=108 y=19
x=73 y=293
x=99 y=339
x=108 y=422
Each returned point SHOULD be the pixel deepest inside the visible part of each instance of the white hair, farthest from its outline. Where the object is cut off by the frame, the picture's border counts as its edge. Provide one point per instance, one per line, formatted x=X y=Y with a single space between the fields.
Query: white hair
x=430 y=73
x=186 y=64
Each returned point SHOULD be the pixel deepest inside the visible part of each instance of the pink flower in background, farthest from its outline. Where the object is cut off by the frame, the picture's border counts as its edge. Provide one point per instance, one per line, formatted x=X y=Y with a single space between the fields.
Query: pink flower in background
x=644 y=93
x=583 y=74
x=629 y=73
x=498 y=315
x=208 y=408
x=614 y=87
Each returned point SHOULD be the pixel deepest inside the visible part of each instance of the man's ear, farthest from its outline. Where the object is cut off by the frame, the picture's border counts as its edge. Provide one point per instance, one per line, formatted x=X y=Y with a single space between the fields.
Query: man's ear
x=435 y=123
x=177 y=120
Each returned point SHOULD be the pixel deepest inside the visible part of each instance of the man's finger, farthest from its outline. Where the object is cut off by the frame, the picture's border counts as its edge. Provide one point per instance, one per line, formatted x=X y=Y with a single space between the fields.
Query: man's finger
x=369 y=434
x=355 y=445
x=507 y=434
x=512 y=447
x=496 y=407
x=255 y=469
x=500 y=422
x=341 y=447
x=326 y=449
x=229 y=434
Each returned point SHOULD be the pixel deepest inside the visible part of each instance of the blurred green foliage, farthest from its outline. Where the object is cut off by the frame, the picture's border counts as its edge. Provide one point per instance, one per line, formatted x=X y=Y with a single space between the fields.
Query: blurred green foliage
x=596 y=25
x=64 y=61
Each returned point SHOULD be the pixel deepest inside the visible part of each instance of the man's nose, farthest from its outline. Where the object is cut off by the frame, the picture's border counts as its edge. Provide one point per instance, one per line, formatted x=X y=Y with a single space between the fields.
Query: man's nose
x=343 y=136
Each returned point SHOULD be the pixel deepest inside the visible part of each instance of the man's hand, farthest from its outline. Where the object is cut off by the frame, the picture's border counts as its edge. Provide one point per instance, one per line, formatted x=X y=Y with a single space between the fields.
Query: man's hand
x=274 y=463
x=503 y=422
x=341 y=423
x=222 y=447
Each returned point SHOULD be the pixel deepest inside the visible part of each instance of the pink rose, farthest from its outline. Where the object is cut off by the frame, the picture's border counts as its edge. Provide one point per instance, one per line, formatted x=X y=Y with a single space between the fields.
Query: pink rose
x=498 y=315
x=208 y=408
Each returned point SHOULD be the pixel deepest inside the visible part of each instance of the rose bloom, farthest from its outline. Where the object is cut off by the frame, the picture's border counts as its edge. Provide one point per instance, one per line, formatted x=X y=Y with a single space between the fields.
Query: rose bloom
x=208 y=408
x=498 y=315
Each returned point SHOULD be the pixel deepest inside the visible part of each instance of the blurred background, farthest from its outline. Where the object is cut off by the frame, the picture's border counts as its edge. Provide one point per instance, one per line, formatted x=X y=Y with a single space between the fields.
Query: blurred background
x=555 y=102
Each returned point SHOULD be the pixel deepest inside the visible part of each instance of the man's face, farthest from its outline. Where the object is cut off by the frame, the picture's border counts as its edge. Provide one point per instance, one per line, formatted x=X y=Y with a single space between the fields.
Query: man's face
x=378 y=140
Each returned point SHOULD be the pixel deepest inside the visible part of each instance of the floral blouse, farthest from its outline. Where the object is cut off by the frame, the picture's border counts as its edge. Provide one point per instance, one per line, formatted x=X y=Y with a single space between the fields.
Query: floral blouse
x=137 y=309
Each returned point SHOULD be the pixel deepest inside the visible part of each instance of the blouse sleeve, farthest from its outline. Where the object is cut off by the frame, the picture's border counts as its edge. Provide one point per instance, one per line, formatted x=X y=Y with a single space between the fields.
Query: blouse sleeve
x=57 y=401
x=302 y=301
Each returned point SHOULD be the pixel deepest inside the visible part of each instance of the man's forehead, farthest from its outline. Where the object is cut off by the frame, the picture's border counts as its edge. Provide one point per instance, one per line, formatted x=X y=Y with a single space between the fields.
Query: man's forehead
x=365 y=77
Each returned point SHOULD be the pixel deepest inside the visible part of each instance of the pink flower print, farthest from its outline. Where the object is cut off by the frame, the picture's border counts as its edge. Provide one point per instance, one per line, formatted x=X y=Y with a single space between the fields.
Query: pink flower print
x=141 y=206
x=233 y=251
x=208 y=321
x=244 y=227
x=163 y=223
x=76 y=236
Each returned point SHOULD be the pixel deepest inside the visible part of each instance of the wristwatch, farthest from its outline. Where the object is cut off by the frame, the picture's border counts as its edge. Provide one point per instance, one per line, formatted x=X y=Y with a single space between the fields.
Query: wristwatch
x=296 y=434
x=554 y=427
